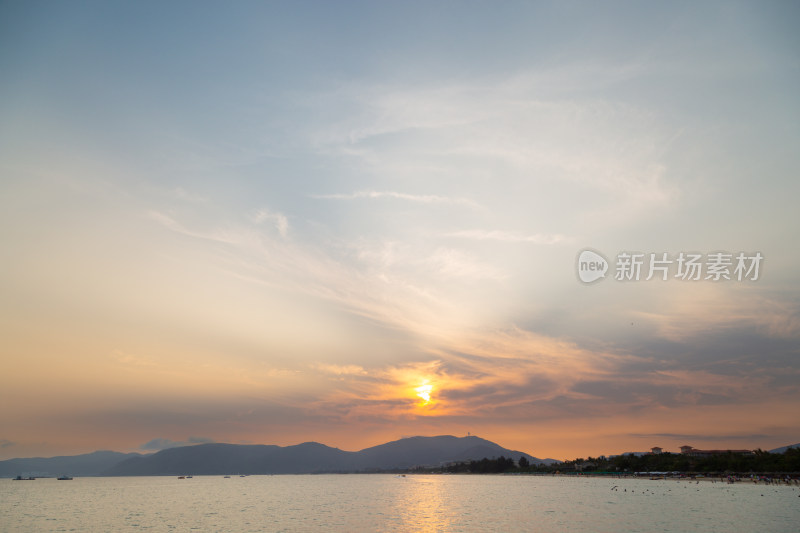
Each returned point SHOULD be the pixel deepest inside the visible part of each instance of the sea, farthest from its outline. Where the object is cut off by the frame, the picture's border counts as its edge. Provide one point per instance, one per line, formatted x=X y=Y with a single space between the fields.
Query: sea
x=384 y=502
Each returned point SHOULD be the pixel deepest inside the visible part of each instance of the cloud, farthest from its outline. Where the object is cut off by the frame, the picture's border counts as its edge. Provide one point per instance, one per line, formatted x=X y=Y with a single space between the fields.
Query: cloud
x=519 y=376
x=187 y=196
x=128 y=359
x=703 y=436
x=692 y=309
x=159 y=444
x=200 y=440
x=419 y=198
x=455 y=264
x=493 y=376
x=487 y=373
x=162 y=443
x=608 y=157
x=166 y=221
x=279 y=219
x=6 y=443
x=402 y=289
x=340 y=370
x=505 y=236
x=234 y=237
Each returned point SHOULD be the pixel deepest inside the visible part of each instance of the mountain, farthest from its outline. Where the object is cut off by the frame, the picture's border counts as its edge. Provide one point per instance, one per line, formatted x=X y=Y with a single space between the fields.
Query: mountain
x=783 y=449
x=306 y=458
x=413 y=451
x=90 y=464
x=312 y=457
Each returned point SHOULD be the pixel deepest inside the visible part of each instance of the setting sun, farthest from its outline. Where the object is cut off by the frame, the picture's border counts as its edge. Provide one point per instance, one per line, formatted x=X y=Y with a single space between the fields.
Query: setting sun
x=424 y=392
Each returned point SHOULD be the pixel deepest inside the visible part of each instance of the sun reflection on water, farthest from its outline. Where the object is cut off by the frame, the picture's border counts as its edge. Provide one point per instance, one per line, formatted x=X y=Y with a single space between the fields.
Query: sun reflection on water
x=422 y=505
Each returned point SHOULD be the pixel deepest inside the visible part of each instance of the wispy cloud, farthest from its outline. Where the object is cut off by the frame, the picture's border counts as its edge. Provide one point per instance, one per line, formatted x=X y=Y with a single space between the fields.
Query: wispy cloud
x=452 y=264
x=340 y=370
x=135 y=360
x=515 y=131
x=691 y=311
x=188 y=196
x=491 y=375
x=506 y=236
x=279 y=219
x=704 y=436
x=478 y=369
x=403 y=300
x=234 y=237
x=162 y=443
x=418 y=198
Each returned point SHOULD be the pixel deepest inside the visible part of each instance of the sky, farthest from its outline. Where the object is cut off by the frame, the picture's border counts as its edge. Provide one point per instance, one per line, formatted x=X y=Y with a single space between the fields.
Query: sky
x=352 y=222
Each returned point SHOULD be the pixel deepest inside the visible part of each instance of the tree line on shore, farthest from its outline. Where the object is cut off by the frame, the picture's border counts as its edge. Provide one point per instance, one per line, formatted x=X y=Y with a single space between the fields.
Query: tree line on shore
x=757 y=462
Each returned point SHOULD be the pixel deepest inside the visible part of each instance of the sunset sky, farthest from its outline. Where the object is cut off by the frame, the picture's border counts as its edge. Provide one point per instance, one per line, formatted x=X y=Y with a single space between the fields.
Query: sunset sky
x=279 y=222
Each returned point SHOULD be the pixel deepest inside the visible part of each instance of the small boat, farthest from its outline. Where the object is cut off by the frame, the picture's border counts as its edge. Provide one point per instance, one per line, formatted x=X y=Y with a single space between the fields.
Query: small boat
x=64 y=478
x=227 y=477
x=181 y=477
x=20 y=478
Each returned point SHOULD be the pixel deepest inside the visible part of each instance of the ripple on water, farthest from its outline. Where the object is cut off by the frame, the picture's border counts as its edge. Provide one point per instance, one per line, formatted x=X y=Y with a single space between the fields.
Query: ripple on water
x=387 y=503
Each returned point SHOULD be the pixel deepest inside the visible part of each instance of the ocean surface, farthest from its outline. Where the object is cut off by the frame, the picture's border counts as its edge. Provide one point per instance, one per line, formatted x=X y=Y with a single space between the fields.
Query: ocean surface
x=381 y=502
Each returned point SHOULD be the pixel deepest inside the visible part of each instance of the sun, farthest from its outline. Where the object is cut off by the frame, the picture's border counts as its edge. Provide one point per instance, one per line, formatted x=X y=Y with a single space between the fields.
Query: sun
x=424 y=392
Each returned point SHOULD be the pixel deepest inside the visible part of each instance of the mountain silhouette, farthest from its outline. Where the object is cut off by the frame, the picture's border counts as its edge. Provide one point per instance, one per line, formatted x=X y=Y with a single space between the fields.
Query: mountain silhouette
x=312 y=457
x=305 y=458
x=89 y=464
x=783 y=449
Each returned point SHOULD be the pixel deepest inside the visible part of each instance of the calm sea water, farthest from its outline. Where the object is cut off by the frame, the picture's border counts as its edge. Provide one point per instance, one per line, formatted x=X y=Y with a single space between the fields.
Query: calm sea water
x=389 y=503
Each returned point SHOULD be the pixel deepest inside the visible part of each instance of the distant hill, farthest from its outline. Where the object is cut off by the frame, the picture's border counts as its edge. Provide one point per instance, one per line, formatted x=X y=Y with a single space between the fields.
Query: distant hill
x=414 y=451
x=90 y=464
x=783 y=449
x=312 y=457
x=306 y=458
